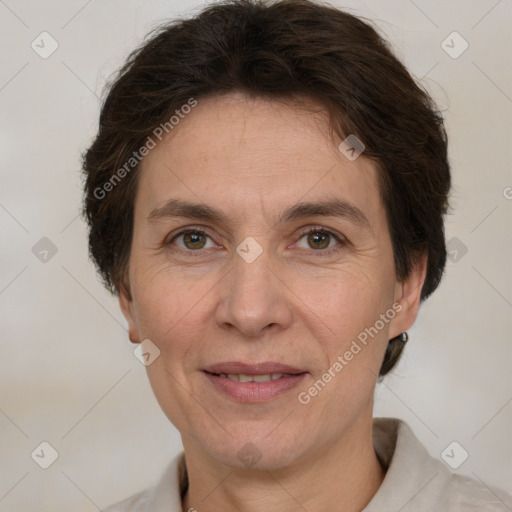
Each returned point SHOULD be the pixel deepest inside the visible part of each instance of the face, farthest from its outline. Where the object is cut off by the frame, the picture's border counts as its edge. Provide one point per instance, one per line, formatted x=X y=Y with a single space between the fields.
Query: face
x=260 y=249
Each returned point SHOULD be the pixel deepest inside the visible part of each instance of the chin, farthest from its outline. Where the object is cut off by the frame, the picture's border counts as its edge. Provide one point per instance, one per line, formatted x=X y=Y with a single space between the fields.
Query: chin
x=260 y=451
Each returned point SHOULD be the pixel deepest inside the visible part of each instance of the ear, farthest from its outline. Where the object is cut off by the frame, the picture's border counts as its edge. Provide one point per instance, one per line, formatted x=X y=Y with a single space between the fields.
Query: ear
x=127 y=307
x=408 y=295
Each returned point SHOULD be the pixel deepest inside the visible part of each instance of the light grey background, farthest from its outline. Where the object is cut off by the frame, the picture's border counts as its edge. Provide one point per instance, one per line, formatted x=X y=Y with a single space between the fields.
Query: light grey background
x=68 y=375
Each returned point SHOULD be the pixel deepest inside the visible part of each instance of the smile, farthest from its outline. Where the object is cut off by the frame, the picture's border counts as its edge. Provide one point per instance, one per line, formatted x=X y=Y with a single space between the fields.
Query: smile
x=242 y=387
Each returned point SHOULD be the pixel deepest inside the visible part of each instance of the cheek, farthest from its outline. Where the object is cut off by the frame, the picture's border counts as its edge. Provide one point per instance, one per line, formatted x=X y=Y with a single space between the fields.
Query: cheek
x=160 y=294
x=171 y=310
x=353 y=344
x=347 y=300
x=356 y=333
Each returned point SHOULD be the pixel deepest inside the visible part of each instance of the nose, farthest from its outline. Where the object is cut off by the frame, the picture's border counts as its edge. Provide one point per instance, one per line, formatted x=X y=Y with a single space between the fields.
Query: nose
x=254 y=298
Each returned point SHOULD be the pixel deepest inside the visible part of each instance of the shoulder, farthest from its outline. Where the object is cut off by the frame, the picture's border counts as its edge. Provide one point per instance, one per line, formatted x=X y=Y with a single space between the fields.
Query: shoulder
x=416 y=481
x=135 y=503
x=165 y=496
x=470 y=494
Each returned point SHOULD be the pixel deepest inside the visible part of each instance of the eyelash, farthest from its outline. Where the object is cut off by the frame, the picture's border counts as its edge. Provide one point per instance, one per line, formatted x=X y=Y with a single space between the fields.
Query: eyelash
x=315 y=229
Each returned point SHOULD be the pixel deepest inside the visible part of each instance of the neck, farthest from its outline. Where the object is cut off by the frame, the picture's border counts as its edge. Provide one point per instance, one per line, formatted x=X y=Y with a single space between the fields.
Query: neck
x=345 y=475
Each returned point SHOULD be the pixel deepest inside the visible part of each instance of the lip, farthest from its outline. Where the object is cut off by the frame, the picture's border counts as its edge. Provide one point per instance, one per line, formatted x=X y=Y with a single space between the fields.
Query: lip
x=254 y=391
x=253 y=368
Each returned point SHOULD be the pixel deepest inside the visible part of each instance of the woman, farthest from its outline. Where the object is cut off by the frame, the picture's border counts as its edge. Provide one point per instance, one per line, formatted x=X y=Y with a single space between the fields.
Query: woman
x=266 y=196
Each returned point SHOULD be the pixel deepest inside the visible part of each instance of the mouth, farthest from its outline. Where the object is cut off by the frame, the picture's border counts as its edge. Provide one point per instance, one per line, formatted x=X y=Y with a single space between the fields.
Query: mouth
x=241 y=377
x=253 y=382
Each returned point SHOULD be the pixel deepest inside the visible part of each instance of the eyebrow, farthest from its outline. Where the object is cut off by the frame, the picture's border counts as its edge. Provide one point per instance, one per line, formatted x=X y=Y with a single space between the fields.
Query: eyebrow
x=328 y=208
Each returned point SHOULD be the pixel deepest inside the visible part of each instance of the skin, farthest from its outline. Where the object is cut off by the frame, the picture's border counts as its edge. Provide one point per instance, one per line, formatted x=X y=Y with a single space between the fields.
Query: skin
x=252 y=159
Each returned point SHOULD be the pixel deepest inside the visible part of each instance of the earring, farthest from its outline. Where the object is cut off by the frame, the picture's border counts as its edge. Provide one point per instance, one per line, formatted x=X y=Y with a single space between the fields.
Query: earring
x=403 y=337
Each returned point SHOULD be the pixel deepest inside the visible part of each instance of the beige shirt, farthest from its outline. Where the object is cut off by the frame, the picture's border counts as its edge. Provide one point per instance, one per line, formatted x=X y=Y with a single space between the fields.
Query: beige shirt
x=414 y=482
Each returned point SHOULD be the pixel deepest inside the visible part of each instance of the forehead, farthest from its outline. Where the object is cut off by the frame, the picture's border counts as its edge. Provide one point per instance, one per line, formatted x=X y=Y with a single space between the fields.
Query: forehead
x=234 y=151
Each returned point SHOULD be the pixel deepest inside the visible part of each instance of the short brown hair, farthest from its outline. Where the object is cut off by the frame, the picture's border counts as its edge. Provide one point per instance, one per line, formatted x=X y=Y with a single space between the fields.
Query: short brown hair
x=284 y=49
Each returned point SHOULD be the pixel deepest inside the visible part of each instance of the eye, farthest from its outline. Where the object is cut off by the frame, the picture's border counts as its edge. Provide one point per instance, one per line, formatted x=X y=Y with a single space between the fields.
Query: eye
x=191 y=239
x=317 y=238
x=322 y=240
